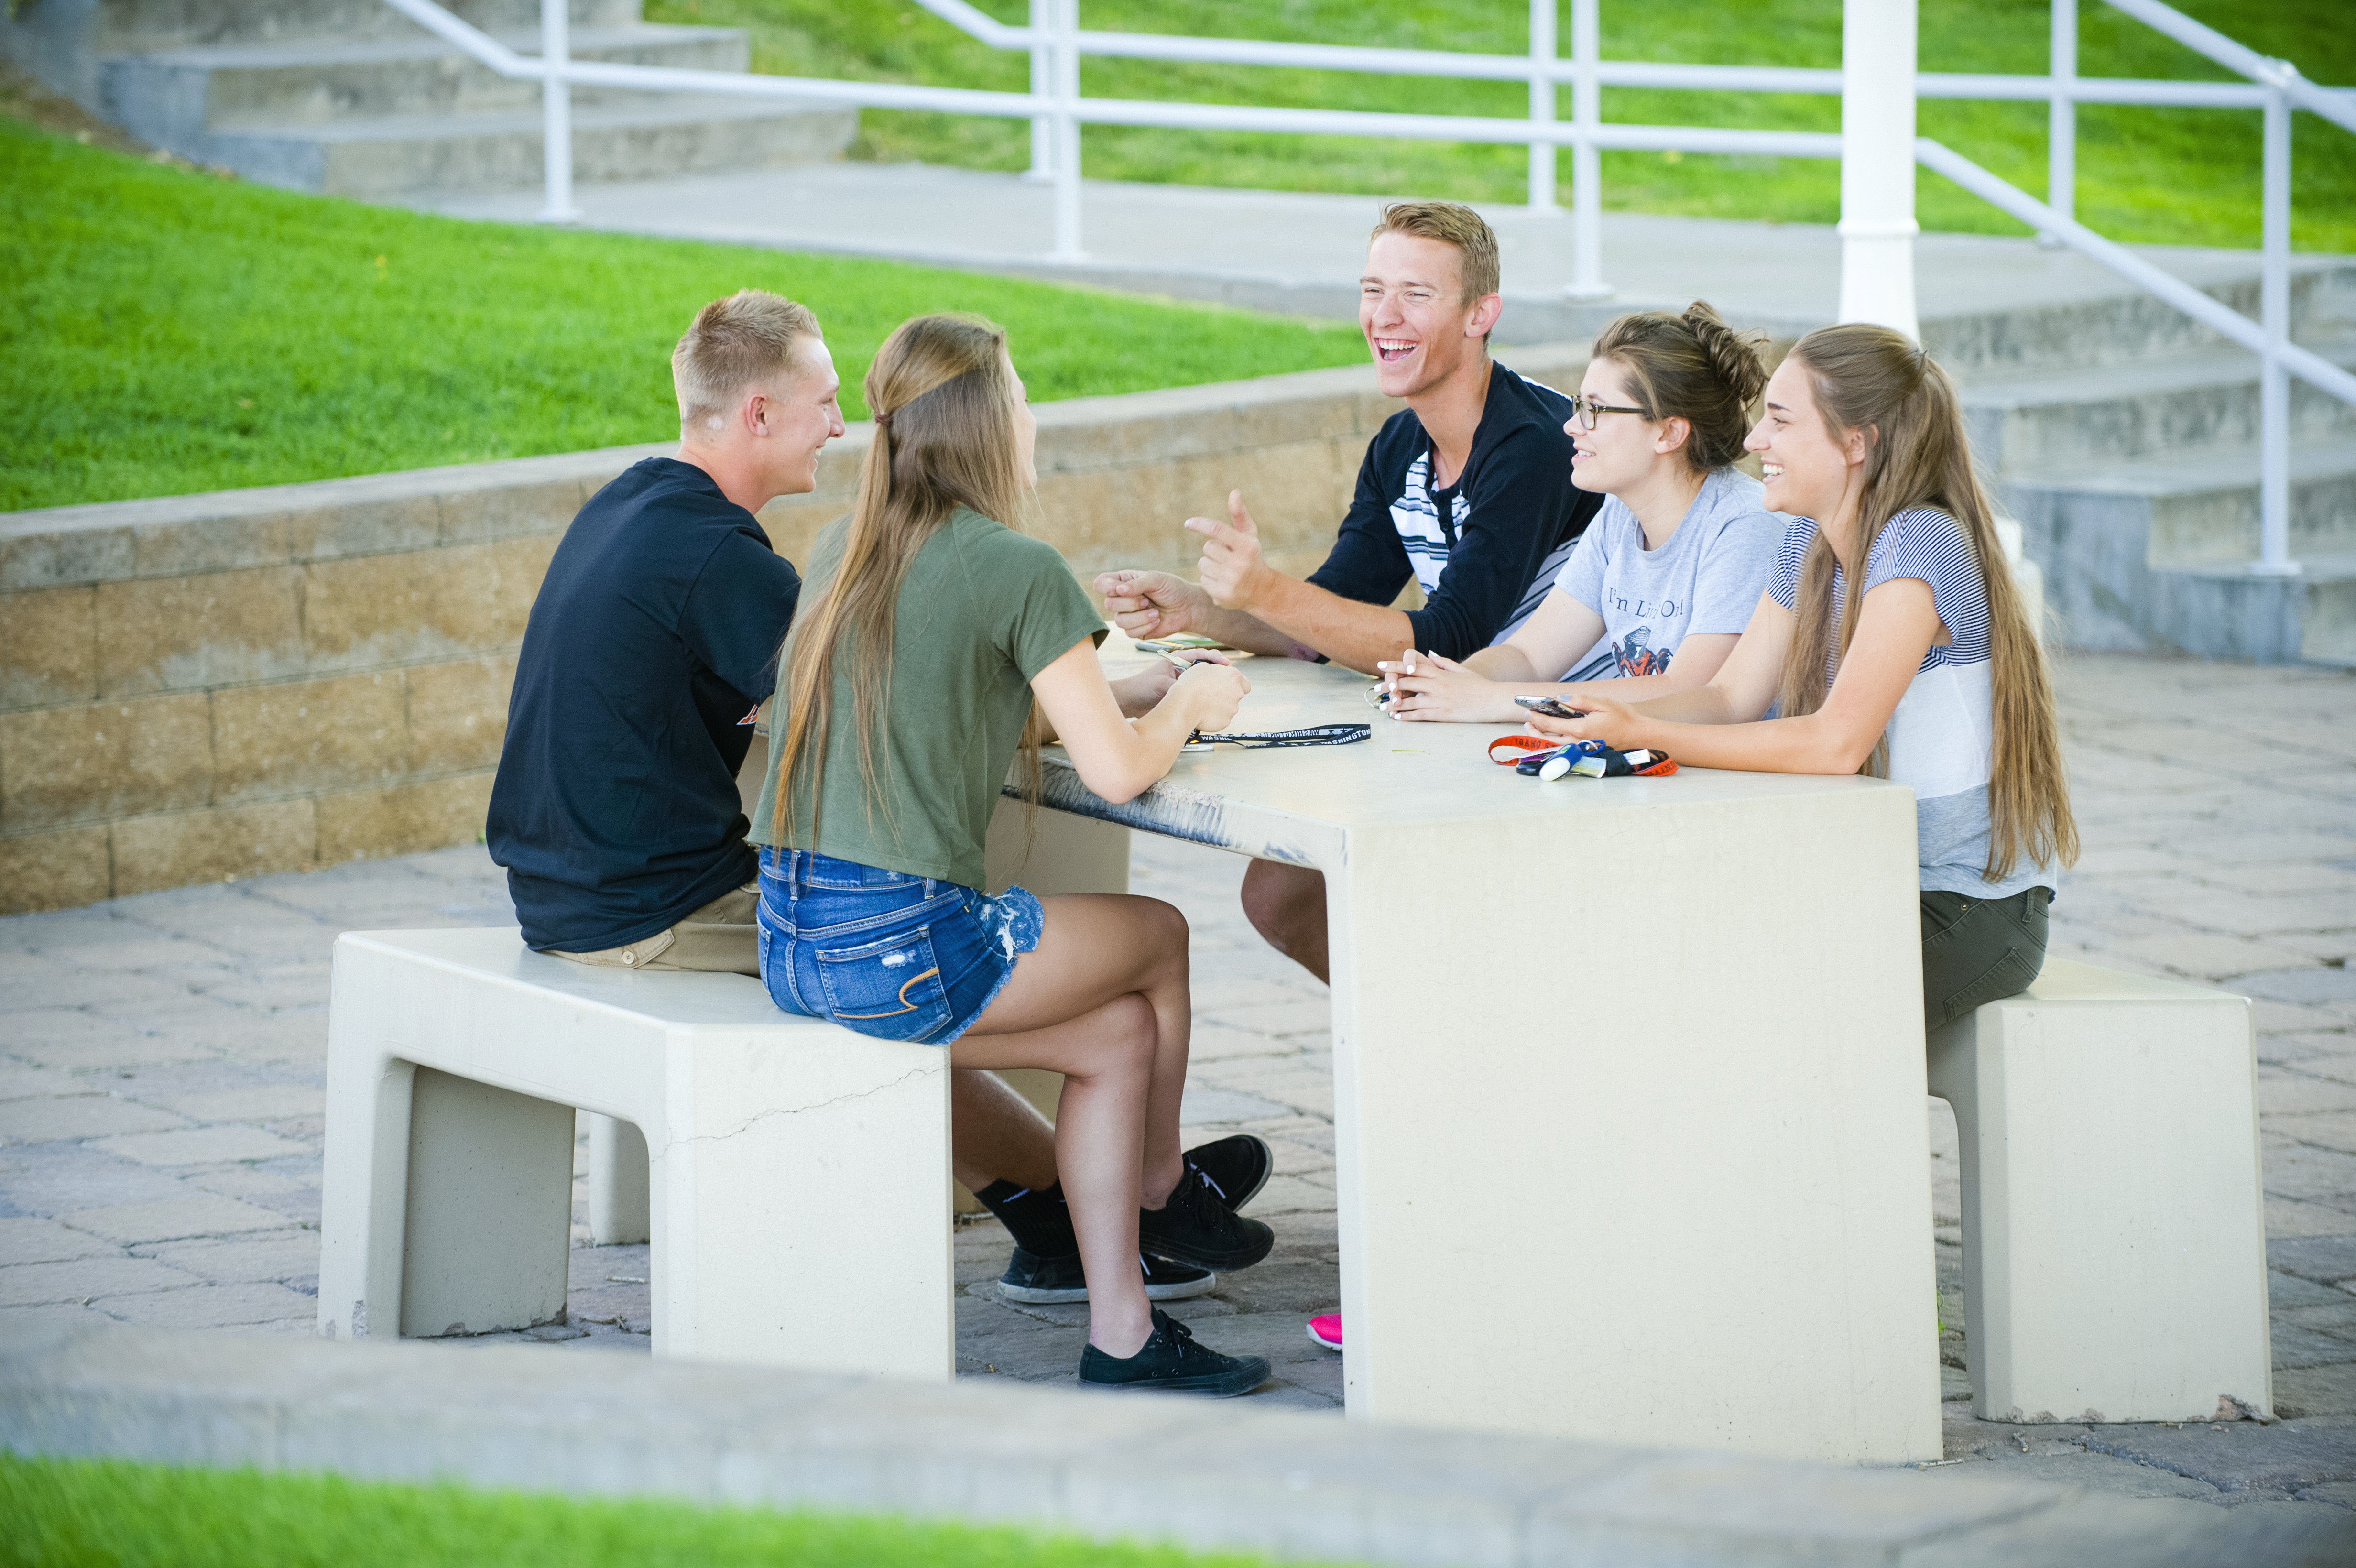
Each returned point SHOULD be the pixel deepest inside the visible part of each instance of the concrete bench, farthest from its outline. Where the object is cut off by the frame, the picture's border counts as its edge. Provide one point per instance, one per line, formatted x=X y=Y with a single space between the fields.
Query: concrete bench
x=797 y=1175
x=2115 y=1259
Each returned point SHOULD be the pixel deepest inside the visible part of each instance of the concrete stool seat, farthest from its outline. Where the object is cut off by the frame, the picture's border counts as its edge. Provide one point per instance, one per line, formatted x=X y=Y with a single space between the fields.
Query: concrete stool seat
x=2115 y=1262
x=799 y=1173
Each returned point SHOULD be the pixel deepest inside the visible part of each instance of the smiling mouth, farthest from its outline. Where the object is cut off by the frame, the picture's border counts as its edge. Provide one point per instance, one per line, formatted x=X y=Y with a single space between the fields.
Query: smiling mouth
x=1772 y=470
x=1394 y=349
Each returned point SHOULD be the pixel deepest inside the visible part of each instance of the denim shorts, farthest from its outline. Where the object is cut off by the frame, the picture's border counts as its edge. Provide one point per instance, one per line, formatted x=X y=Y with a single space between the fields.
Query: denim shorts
x=883 y=952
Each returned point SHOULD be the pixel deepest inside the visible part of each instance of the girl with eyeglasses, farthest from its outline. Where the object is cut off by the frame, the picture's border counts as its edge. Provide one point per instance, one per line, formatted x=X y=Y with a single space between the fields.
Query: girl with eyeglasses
x=1655 y=592
x=1891 y=641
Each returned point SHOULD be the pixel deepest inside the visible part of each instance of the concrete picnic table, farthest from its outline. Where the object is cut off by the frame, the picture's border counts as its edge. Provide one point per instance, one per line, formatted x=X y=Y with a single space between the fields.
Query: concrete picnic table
x=1629 y=1075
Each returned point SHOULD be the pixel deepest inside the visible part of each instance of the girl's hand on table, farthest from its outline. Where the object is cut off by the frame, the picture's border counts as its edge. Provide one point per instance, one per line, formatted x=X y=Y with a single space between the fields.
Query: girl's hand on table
x=1208 y=694
x=1616 y=725
x=1137 y=694
x=1431 y=688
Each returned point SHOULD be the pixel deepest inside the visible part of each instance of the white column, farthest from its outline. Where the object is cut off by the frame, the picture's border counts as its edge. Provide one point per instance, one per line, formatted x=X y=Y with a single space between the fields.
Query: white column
x=2274 y=314
x=556 y=113
x=1876 y=224
x=1586 y=163
x=1068 y=131
x=1542 y=55
x=1043 y=83
x=2061 y=124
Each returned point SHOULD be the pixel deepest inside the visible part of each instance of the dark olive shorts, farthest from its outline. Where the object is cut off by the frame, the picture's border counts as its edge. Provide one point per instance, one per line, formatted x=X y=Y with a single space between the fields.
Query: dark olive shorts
x=1980 y=950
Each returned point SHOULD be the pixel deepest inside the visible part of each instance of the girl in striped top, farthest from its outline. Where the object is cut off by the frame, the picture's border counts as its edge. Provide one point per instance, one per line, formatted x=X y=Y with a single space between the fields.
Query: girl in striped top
x=1891 y=641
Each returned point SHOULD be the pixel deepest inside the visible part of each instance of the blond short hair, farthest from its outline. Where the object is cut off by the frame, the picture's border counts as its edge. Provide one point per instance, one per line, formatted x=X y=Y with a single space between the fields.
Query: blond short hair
x=735 y=344
x=1455 y=224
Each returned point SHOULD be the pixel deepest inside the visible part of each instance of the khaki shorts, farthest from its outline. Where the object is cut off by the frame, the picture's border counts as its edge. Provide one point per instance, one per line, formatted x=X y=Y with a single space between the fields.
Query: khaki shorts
x=716 y=938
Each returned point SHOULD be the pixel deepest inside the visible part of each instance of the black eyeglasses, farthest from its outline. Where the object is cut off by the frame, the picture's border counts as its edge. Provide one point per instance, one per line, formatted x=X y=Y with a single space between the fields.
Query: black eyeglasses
x=1584 y=410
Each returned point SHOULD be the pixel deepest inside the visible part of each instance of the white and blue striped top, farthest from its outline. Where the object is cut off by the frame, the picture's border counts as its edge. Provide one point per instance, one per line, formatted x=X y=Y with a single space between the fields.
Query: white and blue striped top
x=1942 y=738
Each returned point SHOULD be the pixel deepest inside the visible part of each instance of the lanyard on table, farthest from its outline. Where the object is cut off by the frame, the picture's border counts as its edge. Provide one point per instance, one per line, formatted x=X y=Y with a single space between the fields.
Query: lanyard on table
x=1314 y=735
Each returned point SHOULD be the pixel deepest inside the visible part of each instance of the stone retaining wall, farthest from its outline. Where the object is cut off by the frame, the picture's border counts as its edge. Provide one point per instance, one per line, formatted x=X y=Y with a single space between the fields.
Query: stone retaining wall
x=203 y=688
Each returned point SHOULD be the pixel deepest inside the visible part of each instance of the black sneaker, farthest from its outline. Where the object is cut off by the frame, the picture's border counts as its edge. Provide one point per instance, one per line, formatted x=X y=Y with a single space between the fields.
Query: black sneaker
x=1048 y=1281
x=1170 y=1362
x=1237 y=1168
x=1196 y=1228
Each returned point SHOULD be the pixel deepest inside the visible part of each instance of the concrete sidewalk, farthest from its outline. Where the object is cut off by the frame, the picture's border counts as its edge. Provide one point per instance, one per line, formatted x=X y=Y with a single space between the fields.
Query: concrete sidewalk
x=1301 y=252
x=1221 y=1474
x=160 y=1094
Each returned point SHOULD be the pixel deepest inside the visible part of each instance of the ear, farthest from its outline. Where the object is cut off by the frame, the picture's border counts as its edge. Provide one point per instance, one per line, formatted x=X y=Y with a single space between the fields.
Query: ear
x=754 y=413
x=1673 y=431
x=1483 y=319
x=1857 y=442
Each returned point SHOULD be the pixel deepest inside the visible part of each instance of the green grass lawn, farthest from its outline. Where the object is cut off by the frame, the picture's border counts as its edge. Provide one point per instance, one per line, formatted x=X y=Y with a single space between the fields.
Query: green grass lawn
x=164 y=332
x=2155 y=175
x=66 y=1514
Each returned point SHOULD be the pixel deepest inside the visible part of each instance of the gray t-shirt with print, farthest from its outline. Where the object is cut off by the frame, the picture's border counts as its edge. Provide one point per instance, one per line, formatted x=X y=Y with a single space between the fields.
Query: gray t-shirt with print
x=1707 y=577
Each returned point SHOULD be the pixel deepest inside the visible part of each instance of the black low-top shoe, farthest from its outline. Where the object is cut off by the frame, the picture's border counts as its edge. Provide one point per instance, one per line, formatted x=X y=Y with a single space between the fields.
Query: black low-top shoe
x=1051 y=1281
x=1170 y=1362
x=1238 y=1167
x=1196 y=1228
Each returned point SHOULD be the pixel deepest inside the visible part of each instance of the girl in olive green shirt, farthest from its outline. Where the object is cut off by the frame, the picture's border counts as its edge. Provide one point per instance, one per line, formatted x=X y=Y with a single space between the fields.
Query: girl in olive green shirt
x=908 y=688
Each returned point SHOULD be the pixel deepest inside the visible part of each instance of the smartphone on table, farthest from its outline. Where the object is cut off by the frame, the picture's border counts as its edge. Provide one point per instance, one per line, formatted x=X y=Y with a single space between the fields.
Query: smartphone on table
x=1549 y=706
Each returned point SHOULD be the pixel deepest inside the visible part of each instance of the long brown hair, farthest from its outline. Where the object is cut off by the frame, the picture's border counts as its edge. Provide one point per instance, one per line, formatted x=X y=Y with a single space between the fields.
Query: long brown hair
x=1690 y=366
x=943 y=393
x=1875 y=381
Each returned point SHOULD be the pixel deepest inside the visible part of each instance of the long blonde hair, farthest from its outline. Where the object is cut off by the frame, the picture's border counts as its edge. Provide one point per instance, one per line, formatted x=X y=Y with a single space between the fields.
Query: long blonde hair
x=1873 y=379
x=943 y=394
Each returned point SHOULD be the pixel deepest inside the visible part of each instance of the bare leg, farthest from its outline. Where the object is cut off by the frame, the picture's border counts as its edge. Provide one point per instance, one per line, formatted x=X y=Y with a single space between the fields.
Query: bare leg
x=1103 y=1000
x=1286 y=904
x=995 y=1135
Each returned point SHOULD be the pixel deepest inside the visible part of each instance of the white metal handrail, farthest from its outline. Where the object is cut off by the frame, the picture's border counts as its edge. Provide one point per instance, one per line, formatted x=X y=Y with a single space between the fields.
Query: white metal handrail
x=1056 y=109
x=1374 y=62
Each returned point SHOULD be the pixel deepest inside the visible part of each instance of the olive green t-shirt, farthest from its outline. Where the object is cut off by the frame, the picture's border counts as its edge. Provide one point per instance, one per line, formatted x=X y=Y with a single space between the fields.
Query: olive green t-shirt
x=981 y=610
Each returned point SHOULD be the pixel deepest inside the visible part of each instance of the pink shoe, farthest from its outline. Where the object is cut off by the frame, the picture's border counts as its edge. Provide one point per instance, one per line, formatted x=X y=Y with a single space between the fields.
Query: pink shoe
x=1326 y=1329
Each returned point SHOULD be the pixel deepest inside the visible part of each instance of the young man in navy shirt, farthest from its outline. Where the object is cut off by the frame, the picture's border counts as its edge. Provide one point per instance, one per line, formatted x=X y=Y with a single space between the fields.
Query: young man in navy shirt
x=1467 y=490
x=650 y=648
x=653 y=641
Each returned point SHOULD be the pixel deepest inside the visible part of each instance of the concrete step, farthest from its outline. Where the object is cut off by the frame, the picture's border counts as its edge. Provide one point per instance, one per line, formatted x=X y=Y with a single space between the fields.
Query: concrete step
x=2158 y=557
x=2199 y=509
x=2328 y=621
x=2121 y=325
x=64 y=42
x=175 y=98
x=2203 y=401
x=657 y=136
x=125 y=27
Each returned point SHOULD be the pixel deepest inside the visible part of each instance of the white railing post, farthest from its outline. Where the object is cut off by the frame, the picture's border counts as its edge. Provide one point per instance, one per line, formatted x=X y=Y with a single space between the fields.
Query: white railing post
x=1043 y=84
x=556 y=112
x=2061 y=117
x=2274 y=316
x=1586 y=159
x=1877 y=222
x=1068 y=131
x=1542 y=58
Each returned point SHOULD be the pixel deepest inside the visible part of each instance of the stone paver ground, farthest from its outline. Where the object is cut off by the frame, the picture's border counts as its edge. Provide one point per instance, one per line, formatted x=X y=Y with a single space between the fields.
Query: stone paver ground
x=161 y=1057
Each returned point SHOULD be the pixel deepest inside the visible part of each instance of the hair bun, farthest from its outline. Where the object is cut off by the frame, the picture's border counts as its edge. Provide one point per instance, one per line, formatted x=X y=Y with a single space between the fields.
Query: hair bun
x=1733 y=355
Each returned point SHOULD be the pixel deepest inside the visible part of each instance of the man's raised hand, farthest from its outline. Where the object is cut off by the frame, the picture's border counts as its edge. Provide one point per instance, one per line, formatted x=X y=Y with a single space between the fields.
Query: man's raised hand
x=1152 y=603
x=1231 y=568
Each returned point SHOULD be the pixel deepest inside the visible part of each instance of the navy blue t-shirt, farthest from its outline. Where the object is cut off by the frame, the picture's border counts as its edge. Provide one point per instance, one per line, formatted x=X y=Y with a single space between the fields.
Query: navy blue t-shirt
x=1488 y=547
x=654 y=637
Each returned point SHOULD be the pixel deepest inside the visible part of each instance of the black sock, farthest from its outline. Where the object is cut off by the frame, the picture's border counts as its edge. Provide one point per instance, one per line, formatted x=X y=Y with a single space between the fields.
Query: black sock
x=1039 y=1223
